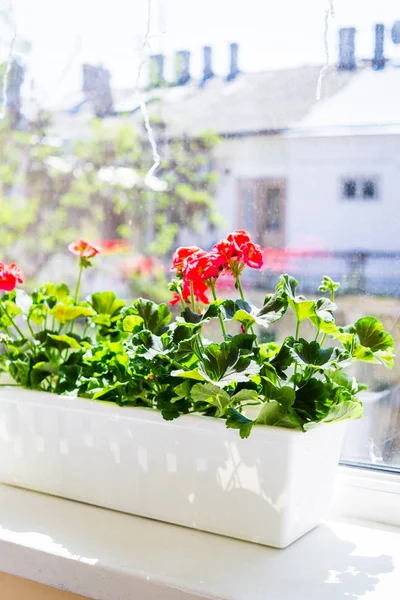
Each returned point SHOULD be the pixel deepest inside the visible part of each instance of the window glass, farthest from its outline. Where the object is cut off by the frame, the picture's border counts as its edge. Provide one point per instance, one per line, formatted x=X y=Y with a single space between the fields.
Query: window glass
x=143 y=126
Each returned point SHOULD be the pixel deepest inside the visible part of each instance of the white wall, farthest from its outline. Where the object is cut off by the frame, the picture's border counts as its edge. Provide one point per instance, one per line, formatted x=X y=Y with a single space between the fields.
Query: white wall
x=317 y=215
x=255 y=157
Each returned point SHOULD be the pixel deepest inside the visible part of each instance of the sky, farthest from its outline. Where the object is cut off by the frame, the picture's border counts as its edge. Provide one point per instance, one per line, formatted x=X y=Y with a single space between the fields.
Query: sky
x=272 y=34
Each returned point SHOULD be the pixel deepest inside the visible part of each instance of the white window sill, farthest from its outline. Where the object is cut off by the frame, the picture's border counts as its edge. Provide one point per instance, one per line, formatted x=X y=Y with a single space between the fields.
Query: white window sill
x=367 y=494
x=108 y=555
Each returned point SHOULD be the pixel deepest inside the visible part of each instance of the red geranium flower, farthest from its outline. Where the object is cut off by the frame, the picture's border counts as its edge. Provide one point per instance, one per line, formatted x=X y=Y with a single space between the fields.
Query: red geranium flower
x=83 y=249
x=203 y=265
x=180 y=255
x=10 y=275
x=239 y=237
x=228 y=250
x=253 y=255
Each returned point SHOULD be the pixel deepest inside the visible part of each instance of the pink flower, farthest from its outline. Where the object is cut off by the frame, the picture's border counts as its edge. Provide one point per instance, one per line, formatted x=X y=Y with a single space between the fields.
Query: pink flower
x=83 y=249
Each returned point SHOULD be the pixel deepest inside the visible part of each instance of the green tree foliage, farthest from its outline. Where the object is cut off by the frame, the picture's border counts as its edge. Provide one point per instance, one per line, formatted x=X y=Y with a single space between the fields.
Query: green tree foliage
x=51 y=193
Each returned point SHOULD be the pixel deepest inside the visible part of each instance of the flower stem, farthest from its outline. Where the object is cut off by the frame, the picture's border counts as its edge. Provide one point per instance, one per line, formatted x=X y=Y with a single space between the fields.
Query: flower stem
x=12 y=321
x=183 y=304
x=78 y=285
x=192 y=297
x=295 y=365
x=221 y=319
x=239 y=287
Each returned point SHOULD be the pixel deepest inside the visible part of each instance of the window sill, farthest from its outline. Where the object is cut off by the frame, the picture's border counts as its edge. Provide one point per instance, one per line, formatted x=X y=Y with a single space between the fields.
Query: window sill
x=107 y=555
x=367 y=494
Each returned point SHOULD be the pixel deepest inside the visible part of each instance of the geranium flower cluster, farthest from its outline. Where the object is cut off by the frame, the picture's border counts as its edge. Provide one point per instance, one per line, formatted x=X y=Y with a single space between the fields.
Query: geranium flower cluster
x=10 y=275
x=199 y=270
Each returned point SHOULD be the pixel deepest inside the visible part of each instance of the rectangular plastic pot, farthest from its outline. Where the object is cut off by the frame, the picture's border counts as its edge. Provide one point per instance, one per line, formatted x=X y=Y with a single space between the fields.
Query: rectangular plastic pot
x=270 y=488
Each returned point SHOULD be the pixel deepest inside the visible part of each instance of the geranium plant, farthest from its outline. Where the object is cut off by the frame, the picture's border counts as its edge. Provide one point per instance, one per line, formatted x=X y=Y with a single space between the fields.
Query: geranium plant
x=138 y=355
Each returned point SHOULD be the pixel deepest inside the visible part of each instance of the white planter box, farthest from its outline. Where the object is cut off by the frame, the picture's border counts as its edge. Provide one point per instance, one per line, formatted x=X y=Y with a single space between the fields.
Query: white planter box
x=270 y=488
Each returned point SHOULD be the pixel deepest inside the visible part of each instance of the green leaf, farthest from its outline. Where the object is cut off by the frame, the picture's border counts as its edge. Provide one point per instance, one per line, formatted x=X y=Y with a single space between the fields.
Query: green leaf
x=246 y=314
x=369 y=342
x=276 y=415
x=244 y=395
x=182 y=391
x=282 y=360
x=312 y=400
x=284 y=395
x=372 y=334
x=350 y=383
x=106 y=303
x=108 y=390
x=131 y=322
x=269 y=350
x=19 y=370
x=223 y=364
x=102 y=320
x=211 y=394
x=60 y=292
x=274 y=308
x=66 y=340
x=303 y=308
x=155 y=316
x=47 y=367
x=188 y=316
x=235 y=420
x=8 y=310
x=149 y=345
x=324 y=309
x=339 y=412
x=191 y=374
x=310 y=353
x=67 y=312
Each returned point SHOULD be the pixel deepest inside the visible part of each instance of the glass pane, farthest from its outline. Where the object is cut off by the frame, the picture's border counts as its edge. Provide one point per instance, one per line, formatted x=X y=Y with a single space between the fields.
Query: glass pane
x=273 y=209
x=142 y=131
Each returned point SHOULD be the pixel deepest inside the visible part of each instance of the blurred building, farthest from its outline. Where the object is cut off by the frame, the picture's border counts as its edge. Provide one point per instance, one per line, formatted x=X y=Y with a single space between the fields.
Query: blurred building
x=305 y=176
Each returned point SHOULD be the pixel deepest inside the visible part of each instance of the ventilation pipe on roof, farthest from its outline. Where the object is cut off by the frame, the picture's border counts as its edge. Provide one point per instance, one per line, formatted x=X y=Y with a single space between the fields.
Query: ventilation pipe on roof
x=378 y=61
x=347 y=61
x=156 y=70
x=97 y=89
x=15 y=81
x=182 y=67
x=234 y=68
x=208 y=72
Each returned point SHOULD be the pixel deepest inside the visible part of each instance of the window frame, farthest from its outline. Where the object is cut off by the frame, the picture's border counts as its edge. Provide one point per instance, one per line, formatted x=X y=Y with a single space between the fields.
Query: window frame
x=368 y=494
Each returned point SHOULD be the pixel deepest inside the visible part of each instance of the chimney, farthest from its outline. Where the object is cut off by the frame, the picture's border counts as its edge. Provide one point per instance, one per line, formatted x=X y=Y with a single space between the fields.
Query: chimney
x=208 y=72
x=156 y=71
x=378 y=62
x=97 y=89
x=15 y=81
x=233 y=69
x=347 y=61
x=182 y=67
x=395 y=33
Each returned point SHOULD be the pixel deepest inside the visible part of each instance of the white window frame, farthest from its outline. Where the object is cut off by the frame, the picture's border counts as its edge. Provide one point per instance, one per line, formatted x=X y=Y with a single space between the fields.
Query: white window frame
x=367 y=494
